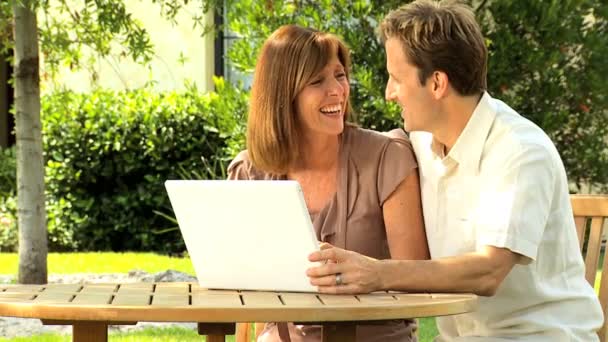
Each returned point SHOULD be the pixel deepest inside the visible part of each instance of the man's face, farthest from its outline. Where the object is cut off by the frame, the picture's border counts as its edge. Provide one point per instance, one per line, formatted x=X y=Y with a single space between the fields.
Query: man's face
x=418 y=107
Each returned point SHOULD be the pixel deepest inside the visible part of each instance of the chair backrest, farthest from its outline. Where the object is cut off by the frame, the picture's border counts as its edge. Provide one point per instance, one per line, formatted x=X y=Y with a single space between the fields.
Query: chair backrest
x=590 y=212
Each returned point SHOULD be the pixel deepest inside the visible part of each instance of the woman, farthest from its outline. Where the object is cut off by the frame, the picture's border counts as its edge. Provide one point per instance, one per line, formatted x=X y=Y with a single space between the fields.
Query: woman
x=361 y=187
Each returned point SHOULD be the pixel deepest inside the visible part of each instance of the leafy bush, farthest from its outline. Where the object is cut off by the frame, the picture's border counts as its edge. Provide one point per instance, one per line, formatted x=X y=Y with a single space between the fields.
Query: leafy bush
x=8 y=224
x=547 y=60
x=108 y=154
x=8 y=171
x=8 y=200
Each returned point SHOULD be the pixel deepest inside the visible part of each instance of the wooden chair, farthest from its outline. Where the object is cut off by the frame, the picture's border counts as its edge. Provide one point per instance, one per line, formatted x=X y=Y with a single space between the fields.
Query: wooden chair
x=243 y=331
x=589 y=215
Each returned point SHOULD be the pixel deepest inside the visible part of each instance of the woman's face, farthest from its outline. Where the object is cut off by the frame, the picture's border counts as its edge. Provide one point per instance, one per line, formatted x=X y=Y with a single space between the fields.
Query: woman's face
x=321 y=105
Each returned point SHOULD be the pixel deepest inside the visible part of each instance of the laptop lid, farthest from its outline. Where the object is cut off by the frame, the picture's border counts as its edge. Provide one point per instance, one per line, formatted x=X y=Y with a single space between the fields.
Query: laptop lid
x=246 y=235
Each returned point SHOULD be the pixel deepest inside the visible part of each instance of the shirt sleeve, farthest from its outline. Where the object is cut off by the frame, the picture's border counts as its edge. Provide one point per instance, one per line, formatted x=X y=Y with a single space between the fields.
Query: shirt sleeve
x=396 y=162
x=239 y=168
x=514 y=210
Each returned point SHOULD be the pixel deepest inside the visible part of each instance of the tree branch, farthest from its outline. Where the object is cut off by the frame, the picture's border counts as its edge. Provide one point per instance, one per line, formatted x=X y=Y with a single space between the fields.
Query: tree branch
x=480 y=6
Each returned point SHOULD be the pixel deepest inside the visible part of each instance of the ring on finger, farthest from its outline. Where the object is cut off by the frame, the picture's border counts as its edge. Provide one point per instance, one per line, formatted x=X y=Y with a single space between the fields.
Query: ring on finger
x=338 y=279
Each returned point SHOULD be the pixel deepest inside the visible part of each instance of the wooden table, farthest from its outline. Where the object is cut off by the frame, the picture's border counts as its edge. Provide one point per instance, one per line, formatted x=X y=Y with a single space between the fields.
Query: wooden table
x=90 y=308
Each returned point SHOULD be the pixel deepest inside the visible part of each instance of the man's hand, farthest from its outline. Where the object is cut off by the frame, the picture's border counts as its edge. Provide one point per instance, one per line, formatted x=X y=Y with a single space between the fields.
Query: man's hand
x=356 y=273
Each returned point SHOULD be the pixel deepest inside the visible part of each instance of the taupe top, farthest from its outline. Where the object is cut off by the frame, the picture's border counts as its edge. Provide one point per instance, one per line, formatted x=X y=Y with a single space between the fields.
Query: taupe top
x=371 y=167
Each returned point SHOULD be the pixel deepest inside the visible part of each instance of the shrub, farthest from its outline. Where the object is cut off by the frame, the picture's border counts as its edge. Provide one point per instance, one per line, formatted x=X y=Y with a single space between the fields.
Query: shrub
x=8 y=224
x=8 y=200
x=108 y=154
x=8 y=171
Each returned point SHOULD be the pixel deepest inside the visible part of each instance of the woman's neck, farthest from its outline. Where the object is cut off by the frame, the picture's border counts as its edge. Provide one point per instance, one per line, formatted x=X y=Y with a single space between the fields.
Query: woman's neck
x=318 y=153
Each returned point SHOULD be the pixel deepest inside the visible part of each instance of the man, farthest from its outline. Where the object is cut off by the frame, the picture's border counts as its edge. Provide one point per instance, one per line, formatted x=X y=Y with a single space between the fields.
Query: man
x=494 y=192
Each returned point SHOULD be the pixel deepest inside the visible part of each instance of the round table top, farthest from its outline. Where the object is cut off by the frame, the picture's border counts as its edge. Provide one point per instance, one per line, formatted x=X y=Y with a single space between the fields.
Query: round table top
x=187 y=302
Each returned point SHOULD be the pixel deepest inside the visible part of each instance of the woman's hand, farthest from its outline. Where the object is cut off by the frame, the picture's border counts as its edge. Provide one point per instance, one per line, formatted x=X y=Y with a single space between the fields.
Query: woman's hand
x=344 y=271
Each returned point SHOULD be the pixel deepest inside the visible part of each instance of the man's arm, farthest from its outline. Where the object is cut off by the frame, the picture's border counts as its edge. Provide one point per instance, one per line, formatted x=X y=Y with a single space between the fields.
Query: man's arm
x=480 y=272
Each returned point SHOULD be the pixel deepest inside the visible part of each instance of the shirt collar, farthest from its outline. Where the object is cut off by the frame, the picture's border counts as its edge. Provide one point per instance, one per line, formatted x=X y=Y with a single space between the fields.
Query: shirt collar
x=469 y=146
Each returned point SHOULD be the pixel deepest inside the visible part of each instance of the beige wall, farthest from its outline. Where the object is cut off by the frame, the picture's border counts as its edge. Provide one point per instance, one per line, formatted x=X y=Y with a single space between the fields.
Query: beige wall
x=165 y=69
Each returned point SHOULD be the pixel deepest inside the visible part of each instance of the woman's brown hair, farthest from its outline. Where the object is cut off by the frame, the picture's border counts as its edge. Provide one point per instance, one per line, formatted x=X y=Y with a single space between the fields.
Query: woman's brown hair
x=289 y=59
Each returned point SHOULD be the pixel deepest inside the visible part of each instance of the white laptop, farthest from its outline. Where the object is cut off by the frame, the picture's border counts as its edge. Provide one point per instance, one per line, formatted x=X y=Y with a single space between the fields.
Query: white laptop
x=245 y=235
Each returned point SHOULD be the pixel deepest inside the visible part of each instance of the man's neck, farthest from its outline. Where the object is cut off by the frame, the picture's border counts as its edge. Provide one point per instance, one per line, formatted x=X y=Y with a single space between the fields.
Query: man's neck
x=457 y=111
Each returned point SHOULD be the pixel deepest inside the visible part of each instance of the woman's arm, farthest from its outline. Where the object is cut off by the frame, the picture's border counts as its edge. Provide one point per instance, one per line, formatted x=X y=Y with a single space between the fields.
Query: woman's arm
x=403 y=220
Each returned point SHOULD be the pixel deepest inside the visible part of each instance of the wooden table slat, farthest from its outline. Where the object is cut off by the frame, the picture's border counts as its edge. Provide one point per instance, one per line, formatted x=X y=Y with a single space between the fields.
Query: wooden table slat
x=414 y=300
x=170 y=300
x=197 y=289
x=169 y=284
x=14 y=300
x=172 y=288
x=62 y=288
x=135 y=287
x=131 y=299
x=300 y=299
x=54 y=297
x=260 y=299
x=429 y=296
x=449 y=296
x=380 y=298
x=134 y=292
x=335 y=300
x=429 y=299
x=25 y=288
x=219 y=300
x=99 y=288
x=92 y=298
x=16 y=295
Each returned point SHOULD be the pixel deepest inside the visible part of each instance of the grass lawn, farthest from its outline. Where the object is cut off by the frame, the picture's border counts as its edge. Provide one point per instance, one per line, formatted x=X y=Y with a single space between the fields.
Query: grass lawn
x=103 y=262
x=426 y=333
x=145 y=335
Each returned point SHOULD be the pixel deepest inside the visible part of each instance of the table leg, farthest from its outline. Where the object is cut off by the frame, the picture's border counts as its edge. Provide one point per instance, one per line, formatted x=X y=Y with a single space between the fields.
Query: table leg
x=89 y=332
x=340 y=332
x=216 y=332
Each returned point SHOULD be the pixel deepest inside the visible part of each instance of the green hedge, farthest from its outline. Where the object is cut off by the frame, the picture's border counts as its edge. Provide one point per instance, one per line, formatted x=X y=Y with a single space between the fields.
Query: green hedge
x=8 y=223
x=8 y=176
x=8 y=201
x=108 y=154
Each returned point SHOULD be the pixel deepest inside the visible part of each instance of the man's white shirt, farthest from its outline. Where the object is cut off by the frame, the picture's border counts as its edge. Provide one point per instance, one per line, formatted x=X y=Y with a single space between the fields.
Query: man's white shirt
x=503 y=184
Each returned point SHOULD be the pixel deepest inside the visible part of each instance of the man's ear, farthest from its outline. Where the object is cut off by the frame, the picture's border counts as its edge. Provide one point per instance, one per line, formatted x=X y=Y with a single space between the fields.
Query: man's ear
x=439 y=84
